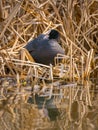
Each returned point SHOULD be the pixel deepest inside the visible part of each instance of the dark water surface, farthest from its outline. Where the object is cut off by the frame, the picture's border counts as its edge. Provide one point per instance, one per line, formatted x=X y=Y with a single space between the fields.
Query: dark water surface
x=74 y=108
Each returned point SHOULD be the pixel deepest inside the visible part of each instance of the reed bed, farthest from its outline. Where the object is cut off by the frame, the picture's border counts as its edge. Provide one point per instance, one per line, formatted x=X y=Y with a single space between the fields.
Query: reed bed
x=77 y=23
x=22 y=21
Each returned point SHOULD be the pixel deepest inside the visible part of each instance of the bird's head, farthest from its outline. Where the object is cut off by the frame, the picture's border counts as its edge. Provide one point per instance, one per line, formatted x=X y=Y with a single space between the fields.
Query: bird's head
x=53 y=34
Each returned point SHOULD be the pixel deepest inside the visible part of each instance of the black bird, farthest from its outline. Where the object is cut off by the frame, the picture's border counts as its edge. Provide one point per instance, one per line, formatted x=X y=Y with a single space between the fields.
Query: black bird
x=45 y=47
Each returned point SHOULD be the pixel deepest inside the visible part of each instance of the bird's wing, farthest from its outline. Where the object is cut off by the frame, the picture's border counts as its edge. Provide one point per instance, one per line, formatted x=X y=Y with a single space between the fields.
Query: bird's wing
x=55 y=47
x=33 y=45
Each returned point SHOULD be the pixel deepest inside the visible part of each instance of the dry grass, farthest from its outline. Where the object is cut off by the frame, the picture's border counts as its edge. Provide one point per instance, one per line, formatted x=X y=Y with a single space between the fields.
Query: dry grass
x=77 y=23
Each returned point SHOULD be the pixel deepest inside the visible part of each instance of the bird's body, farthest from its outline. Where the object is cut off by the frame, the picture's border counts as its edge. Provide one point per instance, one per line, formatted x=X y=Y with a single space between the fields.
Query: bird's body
x=45 y=48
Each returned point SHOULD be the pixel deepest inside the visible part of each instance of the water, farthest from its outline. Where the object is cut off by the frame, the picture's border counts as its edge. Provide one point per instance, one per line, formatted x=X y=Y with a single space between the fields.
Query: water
x=76 y=108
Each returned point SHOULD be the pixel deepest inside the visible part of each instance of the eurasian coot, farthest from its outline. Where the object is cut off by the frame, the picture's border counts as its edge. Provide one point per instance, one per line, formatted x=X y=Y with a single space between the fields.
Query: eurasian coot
x=45 y=47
